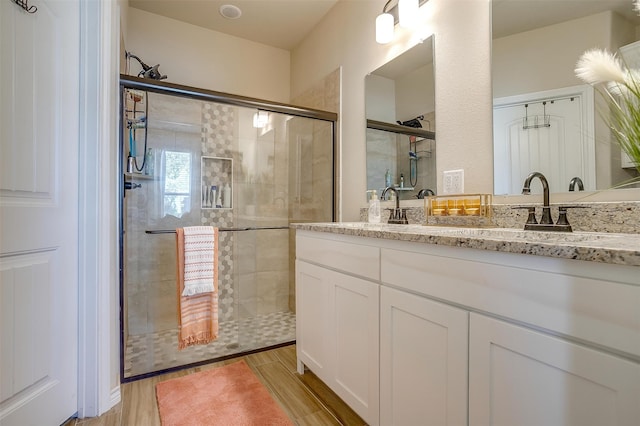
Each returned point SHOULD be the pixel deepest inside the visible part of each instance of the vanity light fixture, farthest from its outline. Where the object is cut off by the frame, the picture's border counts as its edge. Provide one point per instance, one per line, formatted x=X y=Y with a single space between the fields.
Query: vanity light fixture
x=407 y=11
x=384 y=26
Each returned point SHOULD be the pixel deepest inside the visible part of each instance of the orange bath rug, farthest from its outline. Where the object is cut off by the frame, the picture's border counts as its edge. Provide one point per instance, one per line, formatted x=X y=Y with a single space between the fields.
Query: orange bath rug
x=226 y=396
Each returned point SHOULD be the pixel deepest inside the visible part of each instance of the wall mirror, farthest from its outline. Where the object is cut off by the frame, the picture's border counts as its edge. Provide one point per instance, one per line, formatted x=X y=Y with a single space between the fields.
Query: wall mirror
x=544 y=117
x=400 y=111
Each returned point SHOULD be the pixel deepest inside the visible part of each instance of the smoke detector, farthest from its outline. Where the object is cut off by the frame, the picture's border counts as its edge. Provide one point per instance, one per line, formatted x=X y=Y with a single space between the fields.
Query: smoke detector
x=230 y=11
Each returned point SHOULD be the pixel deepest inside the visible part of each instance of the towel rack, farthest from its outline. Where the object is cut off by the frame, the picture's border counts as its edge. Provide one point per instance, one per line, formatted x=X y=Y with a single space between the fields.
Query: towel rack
x=250 y=228
x=536 y=124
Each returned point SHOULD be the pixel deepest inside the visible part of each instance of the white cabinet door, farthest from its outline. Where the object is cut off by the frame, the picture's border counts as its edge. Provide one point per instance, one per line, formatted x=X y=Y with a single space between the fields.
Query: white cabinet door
x=423 y=361
x=337 y=334
x=522 y=377
x=355 y=328
x=313 y=336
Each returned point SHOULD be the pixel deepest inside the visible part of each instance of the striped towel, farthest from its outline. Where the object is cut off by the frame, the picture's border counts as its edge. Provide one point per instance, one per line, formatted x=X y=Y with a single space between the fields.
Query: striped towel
x=199 y=259
x=197 y=313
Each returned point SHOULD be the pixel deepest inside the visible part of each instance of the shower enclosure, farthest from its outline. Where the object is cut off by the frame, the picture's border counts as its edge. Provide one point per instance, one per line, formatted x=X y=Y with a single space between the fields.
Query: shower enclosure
x=249 y=167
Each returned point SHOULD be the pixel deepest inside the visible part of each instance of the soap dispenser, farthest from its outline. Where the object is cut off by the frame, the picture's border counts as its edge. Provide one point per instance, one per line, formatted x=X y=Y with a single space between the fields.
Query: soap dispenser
x=374 y=208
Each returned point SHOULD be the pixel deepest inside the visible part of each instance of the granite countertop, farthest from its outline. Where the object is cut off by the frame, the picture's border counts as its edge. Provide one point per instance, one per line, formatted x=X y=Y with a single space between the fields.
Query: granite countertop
x=619 y=249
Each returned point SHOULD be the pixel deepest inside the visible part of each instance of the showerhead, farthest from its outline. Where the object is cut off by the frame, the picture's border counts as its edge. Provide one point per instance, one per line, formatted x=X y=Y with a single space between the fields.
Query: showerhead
x=154 y=73
x=147 y=71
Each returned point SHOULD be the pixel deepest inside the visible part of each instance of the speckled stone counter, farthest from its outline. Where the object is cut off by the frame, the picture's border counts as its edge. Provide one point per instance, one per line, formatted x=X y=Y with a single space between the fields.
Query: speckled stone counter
x=620 y=249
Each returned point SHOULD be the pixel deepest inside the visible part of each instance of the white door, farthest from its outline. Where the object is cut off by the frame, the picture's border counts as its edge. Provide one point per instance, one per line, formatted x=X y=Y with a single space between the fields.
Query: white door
x=551 y=139
x=38 y=212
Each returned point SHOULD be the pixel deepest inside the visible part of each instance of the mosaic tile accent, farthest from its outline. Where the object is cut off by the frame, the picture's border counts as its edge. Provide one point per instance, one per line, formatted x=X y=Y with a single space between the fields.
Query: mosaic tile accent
x=218 y=124
x=157 y=351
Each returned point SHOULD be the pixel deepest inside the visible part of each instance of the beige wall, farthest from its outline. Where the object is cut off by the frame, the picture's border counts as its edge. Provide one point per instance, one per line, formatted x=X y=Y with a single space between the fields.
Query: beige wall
x=545 y=58
x=346 y=38
x=198 y=57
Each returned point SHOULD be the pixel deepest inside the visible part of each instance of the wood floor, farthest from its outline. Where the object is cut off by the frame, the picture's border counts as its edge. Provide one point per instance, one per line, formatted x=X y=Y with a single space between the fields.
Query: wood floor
x=304 y=398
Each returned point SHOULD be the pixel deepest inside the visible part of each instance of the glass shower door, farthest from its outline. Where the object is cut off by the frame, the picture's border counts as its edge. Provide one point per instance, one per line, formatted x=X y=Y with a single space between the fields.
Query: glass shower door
x=263 y=175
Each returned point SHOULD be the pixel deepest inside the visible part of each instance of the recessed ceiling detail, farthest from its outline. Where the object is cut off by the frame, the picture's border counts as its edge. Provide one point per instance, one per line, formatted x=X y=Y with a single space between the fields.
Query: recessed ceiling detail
x=230 y=11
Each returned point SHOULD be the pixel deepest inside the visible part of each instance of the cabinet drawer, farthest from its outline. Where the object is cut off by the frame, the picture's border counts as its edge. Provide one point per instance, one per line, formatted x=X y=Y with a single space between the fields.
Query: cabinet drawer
x=357 y=259
x=595 y=310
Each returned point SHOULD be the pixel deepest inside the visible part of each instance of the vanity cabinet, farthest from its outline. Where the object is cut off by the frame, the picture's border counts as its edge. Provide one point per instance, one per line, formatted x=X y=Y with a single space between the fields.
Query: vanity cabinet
x=337 y=322
x=519 y=376
x=469 y=336
x=423 y=361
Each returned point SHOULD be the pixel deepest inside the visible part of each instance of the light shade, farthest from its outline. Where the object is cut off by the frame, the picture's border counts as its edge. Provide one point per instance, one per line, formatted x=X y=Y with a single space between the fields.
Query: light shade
x=407 y=12
x=384 y=28
x=260 y=119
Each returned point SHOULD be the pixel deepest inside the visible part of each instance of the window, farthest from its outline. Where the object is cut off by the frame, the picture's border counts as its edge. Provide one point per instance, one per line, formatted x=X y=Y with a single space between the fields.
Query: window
x=177 y=183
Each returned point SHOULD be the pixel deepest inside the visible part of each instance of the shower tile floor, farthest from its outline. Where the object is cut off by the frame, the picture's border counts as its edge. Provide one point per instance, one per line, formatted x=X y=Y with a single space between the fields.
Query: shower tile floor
x=151 y=352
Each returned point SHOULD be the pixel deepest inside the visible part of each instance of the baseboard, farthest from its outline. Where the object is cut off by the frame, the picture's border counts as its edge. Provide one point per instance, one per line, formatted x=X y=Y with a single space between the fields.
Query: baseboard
x=114 y=397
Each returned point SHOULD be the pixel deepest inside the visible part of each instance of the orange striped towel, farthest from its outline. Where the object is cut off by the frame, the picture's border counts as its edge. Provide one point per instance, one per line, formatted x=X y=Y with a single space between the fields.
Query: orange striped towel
x=197 y=314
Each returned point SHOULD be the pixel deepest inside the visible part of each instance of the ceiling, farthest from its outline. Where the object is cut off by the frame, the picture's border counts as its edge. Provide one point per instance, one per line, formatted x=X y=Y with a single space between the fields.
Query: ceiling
x=285 y=23
x=279 y=23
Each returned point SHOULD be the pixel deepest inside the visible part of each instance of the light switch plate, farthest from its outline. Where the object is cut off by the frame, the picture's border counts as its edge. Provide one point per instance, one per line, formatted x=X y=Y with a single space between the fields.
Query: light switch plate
x=453 y=182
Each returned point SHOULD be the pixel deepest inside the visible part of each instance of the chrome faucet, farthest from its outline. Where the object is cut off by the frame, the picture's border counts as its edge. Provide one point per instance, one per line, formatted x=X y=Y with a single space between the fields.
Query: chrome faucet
x=576 y=181
x=397 y=216
x=546 y=209
x=424 y=192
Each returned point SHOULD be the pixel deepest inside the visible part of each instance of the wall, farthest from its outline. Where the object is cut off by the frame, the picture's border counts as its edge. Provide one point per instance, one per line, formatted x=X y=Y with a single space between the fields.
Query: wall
x=380 y=99
x=545 y=58
x=198 y=57
x=346 y=38
x=415 y=93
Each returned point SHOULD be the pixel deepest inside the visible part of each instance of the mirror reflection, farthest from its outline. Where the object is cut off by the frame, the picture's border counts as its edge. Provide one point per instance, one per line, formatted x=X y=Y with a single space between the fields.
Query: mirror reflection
x=400 y=111
x=545 y=119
